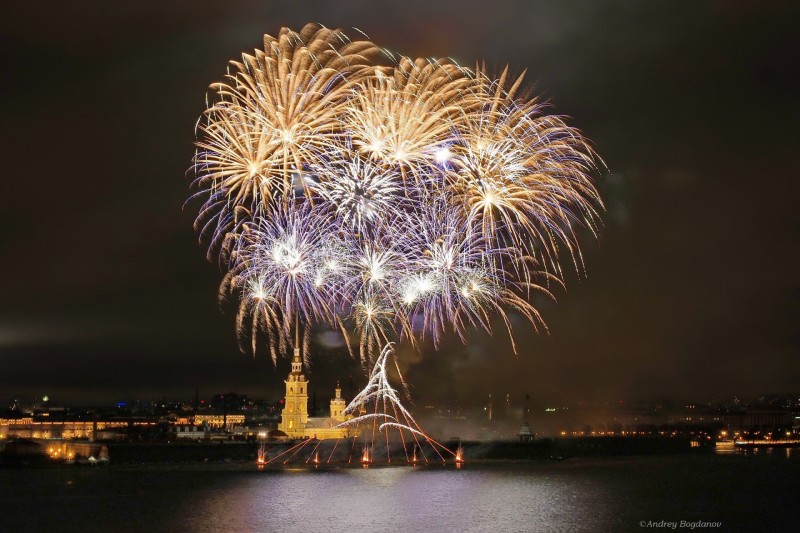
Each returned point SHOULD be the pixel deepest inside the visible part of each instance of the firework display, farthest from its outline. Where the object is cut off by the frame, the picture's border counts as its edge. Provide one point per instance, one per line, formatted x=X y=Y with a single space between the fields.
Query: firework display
x=395 y=199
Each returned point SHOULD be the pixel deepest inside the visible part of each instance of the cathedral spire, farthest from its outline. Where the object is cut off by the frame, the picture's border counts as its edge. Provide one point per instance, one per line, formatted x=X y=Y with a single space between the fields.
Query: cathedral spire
x=297 y=362
x=294 y=415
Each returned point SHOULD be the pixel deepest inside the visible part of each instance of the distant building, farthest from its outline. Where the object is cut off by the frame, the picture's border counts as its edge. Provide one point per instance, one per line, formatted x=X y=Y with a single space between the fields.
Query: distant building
x=31 y=428
x=189 y=432
x=219 y=421
x=296 y=423
x=525 y=433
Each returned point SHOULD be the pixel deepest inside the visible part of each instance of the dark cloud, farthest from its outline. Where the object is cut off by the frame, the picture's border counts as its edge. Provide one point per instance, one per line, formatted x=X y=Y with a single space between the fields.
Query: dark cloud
x=690 y=292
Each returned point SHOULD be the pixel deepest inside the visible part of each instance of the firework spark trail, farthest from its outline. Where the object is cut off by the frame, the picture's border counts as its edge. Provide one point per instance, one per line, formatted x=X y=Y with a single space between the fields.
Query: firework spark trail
x=380 y=397
x=406 y=120
x=274 y=114
x=360 y=192
x=285 y=267
x=291 y=450
x=342 y=192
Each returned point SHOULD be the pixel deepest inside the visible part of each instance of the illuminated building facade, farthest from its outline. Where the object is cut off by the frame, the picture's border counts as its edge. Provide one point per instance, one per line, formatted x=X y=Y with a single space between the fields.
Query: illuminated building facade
x=296 y=423
x=219 y=421
x=29 y=428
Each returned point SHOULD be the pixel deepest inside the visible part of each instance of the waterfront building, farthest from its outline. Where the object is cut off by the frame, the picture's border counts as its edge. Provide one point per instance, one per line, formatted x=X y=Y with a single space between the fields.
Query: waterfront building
x=188 y=432
x=296 y=423
x=32 y=428
x=219 y=421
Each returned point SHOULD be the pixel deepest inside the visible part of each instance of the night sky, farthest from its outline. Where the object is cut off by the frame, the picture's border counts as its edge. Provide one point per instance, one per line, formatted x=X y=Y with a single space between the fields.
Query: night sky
x=693 y=290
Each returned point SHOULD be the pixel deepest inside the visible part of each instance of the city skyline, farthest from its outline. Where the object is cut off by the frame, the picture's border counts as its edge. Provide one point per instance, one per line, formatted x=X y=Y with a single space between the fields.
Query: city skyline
x=692 y=290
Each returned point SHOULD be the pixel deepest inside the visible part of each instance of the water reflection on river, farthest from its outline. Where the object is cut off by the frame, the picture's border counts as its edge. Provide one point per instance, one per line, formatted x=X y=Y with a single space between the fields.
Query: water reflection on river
x=754 y=491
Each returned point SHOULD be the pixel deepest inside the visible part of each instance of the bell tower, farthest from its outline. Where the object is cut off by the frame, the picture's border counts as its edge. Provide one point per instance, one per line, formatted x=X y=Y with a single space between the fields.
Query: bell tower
x=294 y=416
x=338 y=405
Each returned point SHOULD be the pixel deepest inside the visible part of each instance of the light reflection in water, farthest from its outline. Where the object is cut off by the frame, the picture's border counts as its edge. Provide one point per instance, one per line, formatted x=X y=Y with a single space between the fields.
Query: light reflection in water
x=580 y=494
x=412 y=499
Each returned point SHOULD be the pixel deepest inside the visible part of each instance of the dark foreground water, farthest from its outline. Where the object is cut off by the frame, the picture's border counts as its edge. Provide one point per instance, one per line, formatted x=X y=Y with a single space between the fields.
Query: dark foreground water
x=749 y=492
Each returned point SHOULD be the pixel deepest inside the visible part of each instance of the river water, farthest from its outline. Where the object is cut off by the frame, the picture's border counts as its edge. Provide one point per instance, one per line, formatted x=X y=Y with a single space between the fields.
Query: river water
x=740 y=492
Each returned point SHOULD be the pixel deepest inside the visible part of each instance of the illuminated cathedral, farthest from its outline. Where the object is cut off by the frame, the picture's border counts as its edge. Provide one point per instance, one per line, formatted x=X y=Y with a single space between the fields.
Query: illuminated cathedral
x=296 y=423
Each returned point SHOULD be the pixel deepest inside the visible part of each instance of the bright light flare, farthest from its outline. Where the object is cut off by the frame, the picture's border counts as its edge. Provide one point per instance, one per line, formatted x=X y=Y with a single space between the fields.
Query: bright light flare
x=443 y=155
